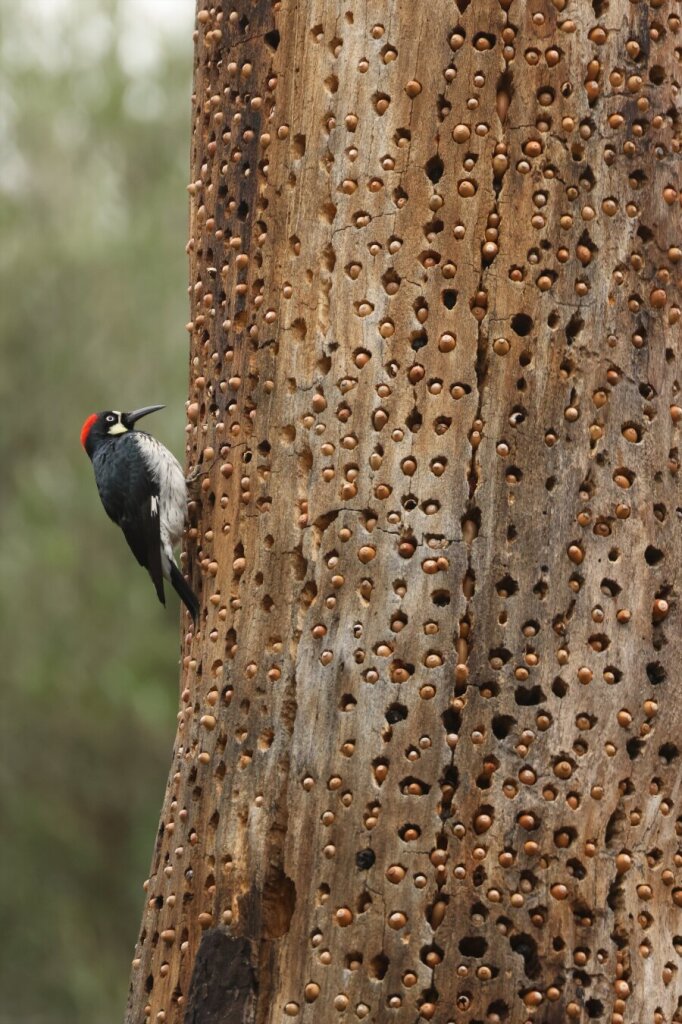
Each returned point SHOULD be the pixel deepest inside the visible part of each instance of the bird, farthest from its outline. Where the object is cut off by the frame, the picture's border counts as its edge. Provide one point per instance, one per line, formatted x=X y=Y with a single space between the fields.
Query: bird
x=143 y=489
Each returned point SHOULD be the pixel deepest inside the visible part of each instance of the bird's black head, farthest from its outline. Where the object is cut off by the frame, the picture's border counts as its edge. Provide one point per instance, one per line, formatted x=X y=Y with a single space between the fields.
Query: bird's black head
x=110 y=424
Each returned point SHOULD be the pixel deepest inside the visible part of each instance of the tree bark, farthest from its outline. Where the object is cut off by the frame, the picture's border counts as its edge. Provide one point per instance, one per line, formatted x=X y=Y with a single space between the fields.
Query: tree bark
x=427 y=759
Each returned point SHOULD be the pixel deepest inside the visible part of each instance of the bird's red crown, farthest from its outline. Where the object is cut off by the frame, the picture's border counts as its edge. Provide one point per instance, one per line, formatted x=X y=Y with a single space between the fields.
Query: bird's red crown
x=85 y=429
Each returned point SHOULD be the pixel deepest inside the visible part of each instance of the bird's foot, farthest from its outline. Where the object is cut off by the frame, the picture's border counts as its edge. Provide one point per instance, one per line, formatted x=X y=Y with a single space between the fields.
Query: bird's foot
x=194 y=476
x=193 y=481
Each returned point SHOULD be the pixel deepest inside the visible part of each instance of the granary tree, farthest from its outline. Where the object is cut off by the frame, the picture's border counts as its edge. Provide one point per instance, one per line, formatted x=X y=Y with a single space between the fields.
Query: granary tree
x=427 y=760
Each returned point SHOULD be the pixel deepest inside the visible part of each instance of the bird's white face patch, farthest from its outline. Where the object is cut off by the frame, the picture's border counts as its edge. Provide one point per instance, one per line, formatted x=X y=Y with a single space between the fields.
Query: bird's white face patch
x=116 y=426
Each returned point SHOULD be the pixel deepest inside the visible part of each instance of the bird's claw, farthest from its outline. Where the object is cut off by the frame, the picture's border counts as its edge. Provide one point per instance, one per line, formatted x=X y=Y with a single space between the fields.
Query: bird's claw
x=192 y=481
x=199 y=470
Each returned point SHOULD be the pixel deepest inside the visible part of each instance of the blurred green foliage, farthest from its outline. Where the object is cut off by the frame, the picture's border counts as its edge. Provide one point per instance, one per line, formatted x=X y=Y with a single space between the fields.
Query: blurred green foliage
x=95 y=128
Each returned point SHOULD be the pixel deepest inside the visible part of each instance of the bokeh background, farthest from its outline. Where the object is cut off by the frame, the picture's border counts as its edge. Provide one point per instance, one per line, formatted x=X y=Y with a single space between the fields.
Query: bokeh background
x=94 y=157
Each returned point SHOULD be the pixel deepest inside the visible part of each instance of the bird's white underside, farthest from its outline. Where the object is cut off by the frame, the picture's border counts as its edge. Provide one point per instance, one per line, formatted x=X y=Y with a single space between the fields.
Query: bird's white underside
x=171 y=504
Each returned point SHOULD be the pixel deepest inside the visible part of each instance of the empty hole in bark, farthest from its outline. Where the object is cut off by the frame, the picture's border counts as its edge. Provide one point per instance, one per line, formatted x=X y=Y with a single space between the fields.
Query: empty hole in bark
x=574 y=327
x=526 y=946
x=452 y=720
x=414 y=420
x=396 y=713
x=656 y=674
x=272 y=39
x=502 y=725
x=522 y=324
x=652 y=555
x=529 y=696
x=434 y=168
x=473 y=945
x=378 y=966
x=279 y=902
x=634 y=748
x=479 y=877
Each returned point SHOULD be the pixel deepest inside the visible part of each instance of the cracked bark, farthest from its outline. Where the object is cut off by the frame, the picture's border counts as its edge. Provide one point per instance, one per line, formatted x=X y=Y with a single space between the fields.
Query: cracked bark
x=427 y=754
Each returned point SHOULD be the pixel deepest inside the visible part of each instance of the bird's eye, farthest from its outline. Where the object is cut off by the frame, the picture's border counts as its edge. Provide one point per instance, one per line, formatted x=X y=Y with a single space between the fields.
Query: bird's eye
x=111 y=419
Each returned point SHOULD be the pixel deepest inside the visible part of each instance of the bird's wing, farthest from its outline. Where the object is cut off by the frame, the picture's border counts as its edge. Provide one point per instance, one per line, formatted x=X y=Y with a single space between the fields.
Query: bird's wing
x=135 y=507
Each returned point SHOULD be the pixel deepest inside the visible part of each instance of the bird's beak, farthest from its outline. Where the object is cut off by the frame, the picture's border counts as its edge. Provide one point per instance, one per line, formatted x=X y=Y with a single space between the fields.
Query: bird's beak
x=133 y=417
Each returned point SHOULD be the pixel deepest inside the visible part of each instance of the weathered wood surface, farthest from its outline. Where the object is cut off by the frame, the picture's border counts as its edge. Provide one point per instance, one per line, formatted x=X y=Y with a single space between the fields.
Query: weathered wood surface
x=427 y=761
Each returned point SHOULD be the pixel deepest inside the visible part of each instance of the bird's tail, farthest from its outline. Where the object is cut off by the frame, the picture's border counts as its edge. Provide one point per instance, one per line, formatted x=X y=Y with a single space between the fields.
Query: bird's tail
x=184 y=592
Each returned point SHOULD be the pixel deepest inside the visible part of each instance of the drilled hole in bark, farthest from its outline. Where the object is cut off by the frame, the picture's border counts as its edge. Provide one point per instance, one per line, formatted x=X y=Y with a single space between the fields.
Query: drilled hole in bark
x=473 y=945
x=396 y=713
x=529 y=696
x=378 y=966
x=279 y=903
x=522 y=324
x=506 y=587
x=652 y=555
x=656 y=674
x=502 y=725
x=434 y=169
x=527 y=947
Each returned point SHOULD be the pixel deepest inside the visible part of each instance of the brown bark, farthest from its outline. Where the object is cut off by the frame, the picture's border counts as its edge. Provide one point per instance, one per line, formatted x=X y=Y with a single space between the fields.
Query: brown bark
x=427 y=757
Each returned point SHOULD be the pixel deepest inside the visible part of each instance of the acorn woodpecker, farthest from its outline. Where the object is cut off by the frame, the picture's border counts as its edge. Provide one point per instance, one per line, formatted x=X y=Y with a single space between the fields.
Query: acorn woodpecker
x=143 y=490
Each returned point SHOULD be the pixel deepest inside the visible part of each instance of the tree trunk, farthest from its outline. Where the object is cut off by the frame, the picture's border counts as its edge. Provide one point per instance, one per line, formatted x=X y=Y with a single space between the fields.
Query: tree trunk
x=427 y=755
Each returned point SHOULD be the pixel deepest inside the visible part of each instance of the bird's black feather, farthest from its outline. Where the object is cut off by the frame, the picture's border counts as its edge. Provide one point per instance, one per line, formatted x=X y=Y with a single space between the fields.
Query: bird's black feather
x=135 y=507
x=184 y=592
